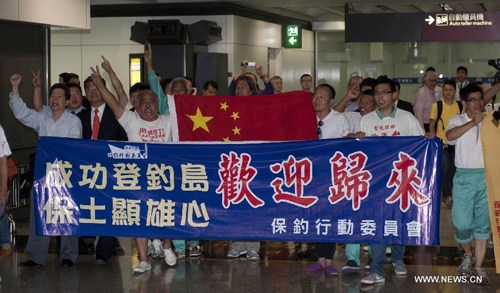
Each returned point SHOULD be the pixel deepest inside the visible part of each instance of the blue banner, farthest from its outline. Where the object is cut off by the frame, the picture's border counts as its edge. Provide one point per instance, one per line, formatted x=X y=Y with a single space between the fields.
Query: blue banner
x=373 y=190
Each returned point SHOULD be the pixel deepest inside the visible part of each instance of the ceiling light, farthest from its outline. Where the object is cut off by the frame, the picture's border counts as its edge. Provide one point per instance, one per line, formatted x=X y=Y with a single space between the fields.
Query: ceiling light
x=446 y=7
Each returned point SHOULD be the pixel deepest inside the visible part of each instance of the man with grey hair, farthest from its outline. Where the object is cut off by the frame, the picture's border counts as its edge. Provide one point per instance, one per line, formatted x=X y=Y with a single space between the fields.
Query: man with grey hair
x=349 y=102
x=426 y=96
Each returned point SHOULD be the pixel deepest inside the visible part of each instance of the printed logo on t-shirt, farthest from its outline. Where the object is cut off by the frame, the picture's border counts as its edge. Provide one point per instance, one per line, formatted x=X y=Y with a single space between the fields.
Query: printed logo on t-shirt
x=158 y=134
x=385 y=130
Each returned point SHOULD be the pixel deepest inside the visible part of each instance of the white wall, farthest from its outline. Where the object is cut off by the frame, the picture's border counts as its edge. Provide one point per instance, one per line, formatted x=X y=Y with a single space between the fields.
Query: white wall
x=68 y=13
x=242 y=39
x=296 y=62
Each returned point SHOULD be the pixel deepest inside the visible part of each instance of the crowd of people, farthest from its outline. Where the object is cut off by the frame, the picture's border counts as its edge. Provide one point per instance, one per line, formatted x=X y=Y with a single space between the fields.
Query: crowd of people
x=453 y=113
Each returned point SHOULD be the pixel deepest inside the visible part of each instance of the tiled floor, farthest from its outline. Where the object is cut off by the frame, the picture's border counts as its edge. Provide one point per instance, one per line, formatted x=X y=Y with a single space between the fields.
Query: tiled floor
x=277 y=271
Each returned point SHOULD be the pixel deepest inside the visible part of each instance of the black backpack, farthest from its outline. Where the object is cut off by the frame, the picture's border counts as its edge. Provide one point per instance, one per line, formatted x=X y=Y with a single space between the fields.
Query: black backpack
x=440 y=111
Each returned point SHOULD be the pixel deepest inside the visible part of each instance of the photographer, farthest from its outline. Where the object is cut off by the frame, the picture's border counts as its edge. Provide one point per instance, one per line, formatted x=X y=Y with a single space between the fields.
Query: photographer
x=269 y=88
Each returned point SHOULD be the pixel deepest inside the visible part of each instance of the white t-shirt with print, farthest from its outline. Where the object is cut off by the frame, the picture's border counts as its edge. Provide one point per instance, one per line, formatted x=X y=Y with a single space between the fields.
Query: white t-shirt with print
x=4 y=145
x=399 y=123
x=139 y=130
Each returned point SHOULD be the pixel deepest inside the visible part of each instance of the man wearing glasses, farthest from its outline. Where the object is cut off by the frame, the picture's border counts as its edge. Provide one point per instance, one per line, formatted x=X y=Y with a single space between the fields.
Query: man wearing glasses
x=387 y=120
x=426 y=96
x=470 y=204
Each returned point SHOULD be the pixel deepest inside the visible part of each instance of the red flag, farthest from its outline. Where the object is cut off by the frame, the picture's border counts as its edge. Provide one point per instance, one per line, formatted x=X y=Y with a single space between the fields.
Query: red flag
x=280 y=117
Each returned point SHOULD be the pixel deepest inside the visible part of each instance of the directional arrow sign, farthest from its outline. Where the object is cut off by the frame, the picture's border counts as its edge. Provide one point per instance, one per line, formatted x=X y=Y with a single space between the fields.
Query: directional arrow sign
x=429 y=19
x=292 y=36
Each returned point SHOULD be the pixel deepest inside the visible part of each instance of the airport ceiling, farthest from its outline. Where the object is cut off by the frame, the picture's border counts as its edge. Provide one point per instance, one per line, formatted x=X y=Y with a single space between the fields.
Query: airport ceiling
x=334 y=10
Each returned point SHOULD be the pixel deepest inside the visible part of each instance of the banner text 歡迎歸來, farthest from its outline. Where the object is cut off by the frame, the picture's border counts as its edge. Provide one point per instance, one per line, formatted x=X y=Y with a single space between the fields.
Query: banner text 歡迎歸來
x=373 y=190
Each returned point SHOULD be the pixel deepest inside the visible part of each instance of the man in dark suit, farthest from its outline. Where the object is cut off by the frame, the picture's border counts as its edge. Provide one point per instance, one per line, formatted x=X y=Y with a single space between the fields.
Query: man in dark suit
x=401 y=104
x=99 y=123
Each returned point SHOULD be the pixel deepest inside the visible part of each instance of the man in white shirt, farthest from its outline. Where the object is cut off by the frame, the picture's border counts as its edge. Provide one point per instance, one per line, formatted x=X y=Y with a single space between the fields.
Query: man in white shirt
x=470 y=204
x=58 y=123
x=461 y=81
x=143 y=125
x=331 y=124
x=387 y=120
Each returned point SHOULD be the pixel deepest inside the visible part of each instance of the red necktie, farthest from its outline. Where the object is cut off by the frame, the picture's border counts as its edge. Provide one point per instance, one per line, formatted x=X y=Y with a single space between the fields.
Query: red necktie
x=97 y=123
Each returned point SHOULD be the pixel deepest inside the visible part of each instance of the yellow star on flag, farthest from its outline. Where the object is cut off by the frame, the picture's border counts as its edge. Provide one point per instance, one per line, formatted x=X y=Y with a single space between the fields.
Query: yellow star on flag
x=236 y=130
x=200 y=121
x=224 y=106
x=236 y=115
x=226 y=139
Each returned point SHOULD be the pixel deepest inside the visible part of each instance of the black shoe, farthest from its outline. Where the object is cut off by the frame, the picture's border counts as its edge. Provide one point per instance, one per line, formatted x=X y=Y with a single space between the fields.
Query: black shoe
x=301 y=255
x=30 y=263
x=66 y=263
x=101 y=261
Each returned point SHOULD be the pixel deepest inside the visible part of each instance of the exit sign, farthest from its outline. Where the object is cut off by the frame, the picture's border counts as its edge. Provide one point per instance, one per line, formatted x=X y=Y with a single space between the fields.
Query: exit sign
x=292 y=36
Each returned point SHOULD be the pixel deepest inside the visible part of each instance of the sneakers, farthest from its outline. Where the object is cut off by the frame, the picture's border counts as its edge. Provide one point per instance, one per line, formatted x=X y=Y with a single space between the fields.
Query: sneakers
x=372 y=279
x=158 y=248
x=170 y=257
x=400 y=268
x=253 y=255
x=67 y=263
x=350 y=267
x=30 y=263
x=195 y=251
x=331 y=270
x=236 y=253
x=180 y=255
x=301 y=255
x=151 y=249
x=368 y=264
x=143 y=267
x=465 y=266
x=481 y=277
x=315 y=267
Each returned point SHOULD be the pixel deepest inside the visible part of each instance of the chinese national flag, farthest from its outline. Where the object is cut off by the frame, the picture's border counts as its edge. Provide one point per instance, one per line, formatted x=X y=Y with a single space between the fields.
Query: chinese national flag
x=279 y=117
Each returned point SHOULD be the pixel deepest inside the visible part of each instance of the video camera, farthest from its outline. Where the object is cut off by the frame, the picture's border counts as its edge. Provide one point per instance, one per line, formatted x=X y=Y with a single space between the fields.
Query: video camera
x=496 y=79
x=495 y=64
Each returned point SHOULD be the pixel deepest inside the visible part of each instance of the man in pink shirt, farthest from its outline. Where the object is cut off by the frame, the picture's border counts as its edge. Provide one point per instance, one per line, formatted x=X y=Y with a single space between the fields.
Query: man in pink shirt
x=426 y=96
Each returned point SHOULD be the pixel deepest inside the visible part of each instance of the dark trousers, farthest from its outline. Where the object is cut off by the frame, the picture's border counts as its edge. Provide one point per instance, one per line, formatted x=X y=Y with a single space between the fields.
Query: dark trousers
x=326 y=250
x=447 y=170
x=426 y=127
x=106 y=247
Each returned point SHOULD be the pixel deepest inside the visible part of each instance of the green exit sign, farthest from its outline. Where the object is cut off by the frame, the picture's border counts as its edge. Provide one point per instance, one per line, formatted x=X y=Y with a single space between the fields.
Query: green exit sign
x=292 y=34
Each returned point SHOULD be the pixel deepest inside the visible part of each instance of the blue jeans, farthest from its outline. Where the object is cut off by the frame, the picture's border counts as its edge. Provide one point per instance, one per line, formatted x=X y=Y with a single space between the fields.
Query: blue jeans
x=4 y=230
x=378 y=257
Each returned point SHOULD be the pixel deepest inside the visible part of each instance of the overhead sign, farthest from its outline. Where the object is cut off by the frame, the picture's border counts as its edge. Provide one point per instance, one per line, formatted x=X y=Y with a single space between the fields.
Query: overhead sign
x=423 y=27
x=292 y=36
x=462 y=26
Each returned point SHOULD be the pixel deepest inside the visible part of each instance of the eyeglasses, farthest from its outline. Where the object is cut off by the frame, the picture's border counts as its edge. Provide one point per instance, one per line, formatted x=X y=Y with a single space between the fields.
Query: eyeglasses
x=382 y=93
x=475 y=100
x=318 y=130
